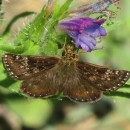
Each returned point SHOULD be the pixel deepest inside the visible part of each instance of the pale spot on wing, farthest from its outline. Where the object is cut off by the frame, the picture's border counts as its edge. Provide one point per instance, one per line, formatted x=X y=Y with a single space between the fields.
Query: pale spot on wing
x=117 y=72
x=108 y=79
x=92 y=78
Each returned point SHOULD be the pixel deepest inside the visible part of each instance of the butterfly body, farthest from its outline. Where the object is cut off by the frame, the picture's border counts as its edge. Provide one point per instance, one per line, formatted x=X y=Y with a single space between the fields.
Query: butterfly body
x=44 y=76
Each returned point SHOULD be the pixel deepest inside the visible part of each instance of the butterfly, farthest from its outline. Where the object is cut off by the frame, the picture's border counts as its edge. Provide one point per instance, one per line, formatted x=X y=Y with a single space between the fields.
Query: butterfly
x=96 y=6
x=44 y=76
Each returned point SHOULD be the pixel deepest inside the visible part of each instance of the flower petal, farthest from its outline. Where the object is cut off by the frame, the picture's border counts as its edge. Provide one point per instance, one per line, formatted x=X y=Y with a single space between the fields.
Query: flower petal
x=84 y=31
x=101 y=21
x=87 y=42
x=73 y=34
x=102 y=31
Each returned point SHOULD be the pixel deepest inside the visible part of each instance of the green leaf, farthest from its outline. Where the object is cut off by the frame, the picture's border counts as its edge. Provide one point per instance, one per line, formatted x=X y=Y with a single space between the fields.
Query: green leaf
x=56 y=9
x=50 y=48
x=32 y=31
x=11 y=48
x=33 y=113
x=59 y=12
x=3 y=39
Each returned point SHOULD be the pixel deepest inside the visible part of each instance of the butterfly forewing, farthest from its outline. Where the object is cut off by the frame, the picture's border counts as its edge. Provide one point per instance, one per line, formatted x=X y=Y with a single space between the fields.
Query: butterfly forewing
x=22 y=67
x=103 y=78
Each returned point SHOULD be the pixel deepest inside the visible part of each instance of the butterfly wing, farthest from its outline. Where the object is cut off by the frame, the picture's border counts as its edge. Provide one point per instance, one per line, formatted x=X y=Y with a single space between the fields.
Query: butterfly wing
x=21 y=67
x=81 y=93
x=43 y=84
x=72 y=86
x=102 y=78
x=61 y=78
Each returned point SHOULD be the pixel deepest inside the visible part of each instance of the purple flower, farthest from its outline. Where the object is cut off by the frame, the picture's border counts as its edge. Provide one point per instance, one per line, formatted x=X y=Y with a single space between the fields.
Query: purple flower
x=84 y=31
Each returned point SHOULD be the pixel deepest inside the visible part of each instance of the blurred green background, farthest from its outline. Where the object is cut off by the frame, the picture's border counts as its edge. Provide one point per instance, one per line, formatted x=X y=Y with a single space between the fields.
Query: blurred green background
x=111 y=113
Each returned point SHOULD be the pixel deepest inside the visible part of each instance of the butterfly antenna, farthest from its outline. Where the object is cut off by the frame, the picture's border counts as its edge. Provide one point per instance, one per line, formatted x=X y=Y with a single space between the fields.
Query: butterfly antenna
x=64 y=45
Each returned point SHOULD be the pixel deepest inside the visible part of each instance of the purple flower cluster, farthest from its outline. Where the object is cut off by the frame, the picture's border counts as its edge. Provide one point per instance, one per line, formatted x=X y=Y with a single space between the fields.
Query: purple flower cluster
x=84 y=31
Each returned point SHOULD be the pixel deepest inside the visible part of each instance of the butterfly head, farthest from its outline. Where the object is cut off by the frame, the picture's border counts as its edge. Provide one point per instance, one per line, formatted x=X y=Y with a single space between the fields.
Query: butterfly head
x=69 y=54
x=69 y=49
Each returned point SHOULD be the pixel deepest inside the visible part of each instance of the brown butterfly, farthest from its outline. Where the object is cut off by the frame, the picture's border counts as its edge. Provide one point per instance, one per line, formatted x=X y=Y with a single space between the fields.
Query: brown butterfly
x=44 y=76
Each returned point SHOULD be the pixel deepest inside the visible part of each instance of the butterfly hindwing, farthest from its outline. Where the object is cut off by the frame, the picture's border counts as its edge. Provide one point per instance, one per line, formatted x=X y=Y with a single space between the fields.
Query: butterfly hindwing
x=103 y=78
x=73 y=87
x=20 y=67
x=43 y=84
x=82 y=93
